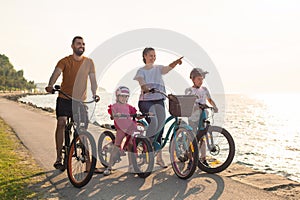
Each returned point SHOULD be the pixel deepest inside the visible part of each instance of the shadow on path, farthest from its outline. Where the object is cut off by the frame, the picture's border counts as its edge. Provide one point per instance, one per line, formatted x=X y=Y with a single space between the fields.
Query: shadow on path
x=162 y=184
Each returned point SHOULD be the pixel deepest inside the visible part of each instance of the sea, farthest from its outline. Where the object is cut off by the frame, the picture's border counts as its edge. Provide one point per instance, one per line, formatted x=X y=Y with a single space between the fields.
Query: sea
x=265 y=127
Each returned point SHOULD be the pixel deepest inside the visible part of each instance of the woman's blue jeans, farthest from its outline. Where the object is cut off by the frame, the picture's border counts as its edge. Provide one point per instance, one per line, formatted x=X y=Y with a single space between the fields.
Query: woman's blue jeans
x=157 y=122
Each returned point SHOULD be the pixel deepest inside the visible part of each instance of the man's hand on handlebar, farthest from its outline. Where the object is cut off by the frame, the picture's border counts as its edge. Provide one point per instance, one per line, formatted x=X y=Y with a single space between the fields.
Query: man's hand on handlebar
x=96 y=98
x=49 y=89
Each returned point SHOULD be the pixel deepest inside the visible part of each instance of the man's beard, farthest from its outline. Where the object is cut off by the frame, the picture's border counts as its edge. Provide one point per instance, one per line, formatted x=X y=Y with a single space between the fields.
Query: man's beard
x=78 y=52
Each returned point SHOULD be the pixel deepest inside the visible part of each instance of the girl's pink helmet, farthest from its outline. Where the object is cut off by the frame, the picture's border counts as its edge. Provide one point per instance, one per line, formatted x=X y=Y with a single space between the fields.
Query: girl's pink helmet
x=122 y=90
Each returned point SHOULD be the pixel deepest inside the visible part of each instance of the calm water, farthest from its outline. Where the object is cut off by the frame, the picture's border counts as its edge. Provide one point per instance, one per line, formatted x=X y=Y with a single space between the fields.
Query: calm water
x=265 y=128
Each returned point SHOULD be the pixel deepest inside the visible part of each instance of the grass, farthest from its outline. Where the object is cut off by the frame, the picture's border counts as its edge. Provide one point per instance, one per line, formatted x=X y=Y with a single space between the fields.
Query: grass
x=19 y=173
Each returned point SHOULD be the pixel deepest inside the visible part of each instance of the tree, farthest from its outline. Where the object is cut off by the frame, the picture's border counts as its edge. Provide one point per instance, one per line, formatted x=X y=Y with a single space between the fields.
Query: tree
x=10 y=79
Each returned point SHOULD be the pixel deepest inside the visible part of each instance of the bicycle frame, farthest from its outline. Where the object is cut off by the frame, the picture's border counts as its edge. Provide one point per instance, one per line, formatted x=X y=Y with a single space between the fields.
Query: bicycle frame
x=174 y=126
x=203 y=126
x=71 y=124
x=171 y=131
x=183 y=147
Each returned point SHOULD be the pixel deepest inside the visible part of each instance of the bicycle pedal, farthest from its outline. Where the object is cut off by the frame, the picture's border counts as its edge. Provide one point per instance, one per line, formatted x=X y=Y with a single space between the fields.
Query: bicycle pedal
x=123 y=154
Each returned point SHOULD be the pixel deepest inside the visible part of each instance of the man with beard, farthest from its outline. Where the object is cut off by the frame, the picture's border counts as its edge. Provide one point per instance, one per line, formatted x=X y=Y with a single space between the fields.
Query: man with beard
x=76 y=70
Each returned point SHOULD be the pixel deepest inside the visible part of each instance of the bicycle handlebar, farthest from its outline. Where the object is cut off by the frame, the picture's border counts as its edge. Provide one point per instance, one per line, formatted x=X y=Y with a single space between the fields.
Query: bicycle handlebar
x=201 y=106
x=136 y=115
x=154 y=90
x=205 y=106
x=57 y=89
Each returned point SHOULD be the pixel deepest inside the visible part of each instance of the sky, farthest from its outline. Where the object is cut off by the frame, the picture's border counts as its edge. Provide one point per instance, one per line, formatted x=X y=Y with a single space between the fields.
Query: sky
x=254 y=45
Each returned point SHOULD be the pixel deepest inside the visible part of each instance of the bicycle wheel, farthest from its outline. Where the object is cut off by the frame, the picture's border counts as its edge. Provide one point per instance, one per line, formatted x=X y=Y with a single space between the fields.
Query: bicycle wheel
x=142 y=156
x=81 y=159
x=218 y=145
x=184 y=153
x=105 y=146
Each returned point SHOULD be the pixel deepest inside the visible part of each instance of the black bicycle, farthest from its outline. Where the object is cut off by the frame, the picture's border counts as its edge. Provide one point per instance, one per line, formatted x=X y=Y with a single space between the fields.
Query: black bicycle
x=79 y=154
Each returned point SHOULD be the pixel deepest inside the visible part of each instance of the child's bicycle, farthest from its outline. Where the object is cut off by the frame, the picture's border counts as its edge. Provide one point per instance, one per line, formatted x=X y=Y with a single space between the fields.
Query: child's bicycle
x=217 y=143
x=138 y=146
x=183 y=145
x=79 y=154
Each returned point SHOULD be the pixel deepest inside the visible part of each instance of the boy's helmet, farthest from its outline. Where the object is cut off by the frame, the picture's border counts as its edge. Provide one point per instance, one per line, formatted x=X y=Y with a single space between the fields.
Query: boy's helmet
x=197 y=72
x=122 y=90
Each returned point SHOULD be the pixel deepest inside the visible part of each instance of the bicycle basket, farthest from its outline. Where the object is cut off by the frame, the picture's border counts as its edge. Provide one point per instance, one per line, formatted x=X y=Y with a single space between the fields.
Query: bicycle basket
x=181 y=105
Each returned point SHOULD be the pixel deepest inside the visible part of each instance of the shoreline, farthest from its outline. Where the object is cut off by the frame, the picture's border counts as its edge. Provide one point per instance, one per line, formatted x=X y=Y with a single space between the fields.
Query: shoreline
x=276 y=184
x=16 y=96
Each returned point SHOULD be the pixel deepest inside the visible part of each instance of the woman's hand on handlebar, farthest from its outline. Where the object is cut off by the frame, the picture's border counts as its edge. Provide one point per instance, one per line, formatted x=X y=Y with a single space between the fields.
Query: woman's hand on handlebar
x=145 y=89
x=151 y=90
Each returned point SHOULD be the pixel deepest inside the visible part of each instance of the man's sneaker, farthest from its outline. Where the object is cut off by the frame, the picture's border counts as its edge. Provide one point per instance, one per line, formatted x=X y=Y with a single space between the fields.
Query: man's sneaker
x=107 y=172
x=59 y=165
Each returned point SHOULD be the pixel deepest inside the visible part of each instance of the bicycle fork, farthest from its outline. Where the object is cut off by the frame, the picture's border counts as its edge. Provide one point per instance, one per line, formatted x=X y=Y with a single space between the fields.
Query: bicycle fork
x=207 y=136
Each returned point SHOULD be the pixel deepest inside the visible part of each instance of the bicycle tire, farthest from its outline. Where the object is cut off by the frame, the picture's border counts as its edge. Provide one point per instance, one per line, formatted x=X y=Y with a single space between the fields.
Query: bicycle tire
x=142 y=156
x=184 y=153
x=105 y=144
x=81 y=159
x=221 y=155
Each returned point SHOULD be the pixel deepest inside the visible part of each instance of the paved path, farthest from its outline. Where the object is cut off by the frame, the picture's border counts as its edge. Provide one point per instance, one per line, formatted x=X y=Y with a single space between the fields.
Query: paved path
x=36 y=130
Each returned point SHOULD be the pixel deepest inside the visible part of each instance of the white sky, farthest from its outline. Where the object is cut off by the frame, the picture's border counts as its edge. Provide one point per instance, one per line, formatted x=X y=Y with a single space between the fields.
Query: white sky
x=254 y=44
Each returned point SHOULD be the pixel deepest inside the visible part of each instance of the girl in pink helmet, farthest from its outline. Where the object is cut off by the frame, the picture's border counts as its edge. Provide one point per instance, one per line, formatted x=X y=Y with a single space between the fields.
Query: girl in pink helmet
x=120 y=112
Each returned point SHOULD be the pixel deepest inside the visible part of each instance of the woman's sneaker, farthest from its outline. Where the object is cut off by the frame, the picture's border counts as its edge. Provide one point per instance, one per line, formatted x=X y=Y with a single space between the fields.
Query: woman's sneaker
x=107 y=172
x=130 y=169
